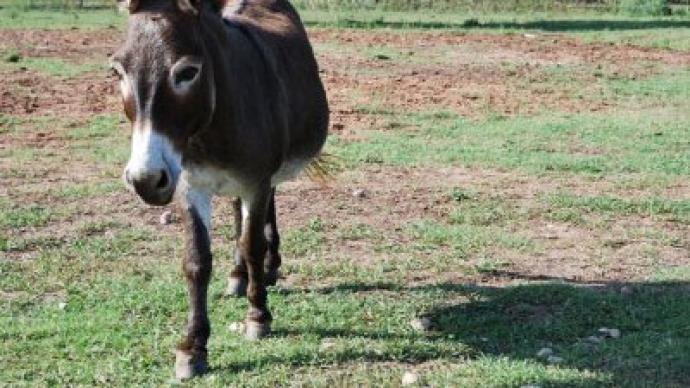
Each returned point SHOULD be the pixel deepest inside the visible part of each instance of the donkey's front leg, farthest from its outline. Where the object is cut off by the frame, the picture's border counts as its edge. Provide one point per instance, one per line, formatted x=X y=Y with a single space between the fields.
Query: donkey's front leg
x=252 y=246
x=191 y=352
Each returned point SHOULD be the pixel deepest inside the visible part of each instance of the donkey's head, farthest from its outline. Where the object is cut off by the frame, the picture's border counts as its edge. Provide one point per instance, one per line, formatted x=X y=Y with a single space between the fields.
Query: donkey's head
x=167 y=89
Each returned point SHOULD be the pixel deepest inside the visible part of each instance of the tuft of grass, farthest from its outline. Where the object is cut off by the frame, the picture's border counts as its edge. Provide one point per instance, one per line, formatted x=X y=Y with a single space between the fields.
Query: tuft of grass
x=464 y=240
x=101 y=126
x=32 y=215
x=481 y=212
x=309 y=239
x=358 y=232
x=674 y=210
x=55 y=67
x=112 y=145
x=34 y=19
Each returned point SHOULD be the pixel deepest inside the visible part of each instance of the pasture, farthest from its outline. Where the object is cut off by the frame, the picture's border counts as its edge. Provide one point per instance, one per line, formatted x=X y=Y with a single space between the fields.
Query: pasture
x=519 y=183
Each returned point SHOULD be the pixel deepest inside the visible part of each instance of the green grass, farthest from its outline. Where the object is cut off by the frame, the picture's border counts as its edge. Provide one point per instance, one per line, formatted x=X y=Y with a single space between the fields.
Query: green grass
x=674 y=210
x=583 y=144
x=91 y=290
x=306 y=240
x=13 y=18
x=104 y=139
x=55 y=67
x=33 y=215
x=121 y=330
x=464 y=240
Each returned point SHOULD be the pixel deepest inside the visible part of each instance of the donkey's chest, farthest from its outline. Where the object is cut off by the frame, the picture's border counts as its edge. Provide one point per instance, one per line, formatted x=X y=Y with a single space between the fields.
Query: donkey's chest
x=215 y=181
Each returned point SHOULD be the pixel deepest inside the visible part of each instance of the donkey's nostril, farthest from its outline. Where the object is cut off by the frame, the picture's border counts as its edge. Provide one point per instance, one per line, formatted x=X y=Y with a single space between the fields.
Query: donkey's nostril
x=163 y=181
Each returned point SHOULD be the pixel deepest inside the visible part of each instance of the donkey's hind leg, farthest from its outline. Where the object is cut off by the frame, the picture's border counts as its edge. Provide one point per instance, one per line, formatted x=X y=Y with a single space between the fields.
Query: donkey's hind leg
x=237 y=281
x=273 y=259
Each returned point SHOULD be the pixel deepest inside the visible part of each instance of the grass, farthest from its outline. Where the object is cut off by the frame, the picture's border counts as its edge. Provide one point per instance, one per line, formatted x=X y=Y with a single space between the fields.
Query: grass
x=584 y=144
x=451 y=228
x=484 y=336
x=34 y=215
x=53 y=66
x=675 y=210
x=13 y=18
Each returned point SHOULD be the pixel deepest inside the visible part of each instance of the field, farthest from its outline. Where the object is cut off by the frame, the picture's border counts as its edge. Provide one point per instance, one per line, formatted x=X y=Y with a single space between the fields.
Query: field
x=519 y=182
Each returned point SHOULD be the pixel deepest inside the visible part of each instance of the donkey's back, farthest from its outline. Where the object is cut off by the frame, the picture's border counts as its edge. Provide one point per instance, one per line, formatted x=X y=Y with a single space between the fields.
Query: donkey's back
x=299 y=103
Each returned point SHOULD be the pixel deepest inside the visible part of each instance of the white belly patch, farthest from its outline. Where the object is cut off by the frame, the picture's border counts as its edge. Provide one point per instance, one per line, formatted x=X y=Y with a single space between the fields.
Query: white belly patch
x=218 y=181
x=289 y=170
x=214 y=181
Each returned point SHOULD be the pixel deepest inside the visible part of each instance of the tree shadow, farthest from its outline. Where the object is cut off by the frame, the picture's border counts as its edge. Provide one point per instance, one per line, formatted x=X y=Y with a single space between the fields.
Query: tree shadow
x=515 y=322
x=566 y=25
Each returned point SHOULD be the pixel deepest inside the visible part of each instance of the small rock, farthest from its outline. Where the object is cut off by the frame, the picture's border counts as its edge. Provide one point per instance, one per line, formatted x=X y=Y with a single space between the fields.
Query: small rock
x=612 y=333
x=236 y=327
x=421 y=324
x=593 y=339
x=359 y=193
x=167 y=217
x=529 y=36
x=545 y=352
x=554 y=359
x=62 y=305
x=626 y=290
x=327 y=344
x=410 y=378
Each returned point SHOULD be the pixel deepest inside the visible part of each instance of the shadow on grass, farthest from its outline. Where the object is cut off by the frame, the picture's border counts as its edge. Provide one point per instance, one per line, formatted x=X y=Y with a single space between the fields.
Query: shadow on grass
x=516 y=321
x=544 y=25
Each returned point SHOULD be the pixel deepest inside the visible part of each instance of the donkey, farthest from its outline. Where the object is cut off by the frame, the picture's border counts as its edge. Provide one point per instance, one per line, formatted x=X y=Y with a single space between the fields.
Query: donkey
x=223 y=99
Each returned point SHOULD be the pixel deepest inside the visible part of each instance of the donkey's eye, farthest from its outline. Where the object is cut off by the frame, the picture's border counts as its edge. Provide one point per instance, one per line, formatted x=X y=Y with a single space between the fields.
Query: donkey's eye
x=185 y=75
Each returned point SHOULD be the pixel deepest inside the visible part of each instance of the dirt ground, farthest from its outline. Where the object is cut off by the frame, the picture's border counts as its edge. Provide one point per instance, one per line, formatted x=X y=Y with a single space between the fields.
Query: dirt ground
x=508 y=77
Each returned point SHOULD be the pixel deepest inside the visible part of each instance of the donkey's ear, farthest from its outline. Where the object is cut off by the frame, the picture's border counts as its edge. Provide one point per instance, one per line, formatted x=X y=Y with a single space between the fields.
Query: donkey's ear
x=189 y=6
x=128 y=5
x=194 y=6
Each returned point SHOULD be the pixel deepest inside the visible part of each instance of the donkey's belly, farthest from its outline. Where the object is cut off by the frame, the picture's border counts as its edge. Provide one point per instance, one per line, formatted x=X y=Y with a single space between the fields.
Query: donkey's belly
x=218 y=181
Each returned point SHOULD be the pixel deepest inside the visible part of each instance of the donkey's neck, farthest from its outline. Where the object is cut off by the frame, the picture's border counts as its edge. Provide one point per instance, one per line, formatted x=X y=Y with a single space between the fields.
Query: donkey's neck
x=245 y=89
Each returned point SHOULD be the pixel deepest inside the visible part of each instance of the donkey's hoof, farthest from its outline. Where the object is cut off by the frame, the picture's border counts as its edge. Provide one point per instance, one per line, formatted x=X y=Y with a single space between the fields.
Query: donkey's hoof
x=237 y=287
x=256 y=330
x=189 y=365
x=271 y=277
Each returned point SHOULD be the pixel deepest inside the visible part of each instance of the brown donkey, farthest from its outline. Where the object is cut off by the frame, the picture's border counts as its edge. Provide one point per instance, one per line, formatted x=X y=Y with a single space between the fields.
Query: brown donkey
x=223 y=99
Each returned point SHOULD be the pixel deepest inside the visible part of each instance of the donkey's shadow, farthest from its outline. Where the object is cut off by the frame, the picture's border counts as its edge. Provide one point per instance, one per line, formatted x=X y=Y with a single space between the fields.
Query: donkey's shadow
x=515 y=322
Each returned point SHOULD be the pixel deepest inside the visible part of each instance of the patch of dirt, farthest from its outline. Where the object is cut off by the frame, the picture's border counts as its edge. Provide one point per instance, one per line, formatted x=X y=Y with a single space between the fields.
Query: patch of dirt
x=25 y=92
x=69 y=45
x=402 y=195
x=504 y=74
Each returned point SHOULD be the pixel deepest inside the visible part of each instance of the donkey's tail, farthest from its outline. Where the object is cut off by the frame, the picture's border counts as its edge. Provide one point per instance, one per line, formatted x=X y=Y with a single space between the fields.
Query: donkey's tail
x=323 y=168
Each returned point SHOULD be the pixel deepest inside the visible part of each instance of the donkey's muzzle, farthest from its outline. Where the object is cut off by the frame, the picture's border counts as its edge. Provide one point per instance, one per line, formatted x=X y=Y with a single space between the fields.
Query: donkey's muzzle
x=154 y=188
